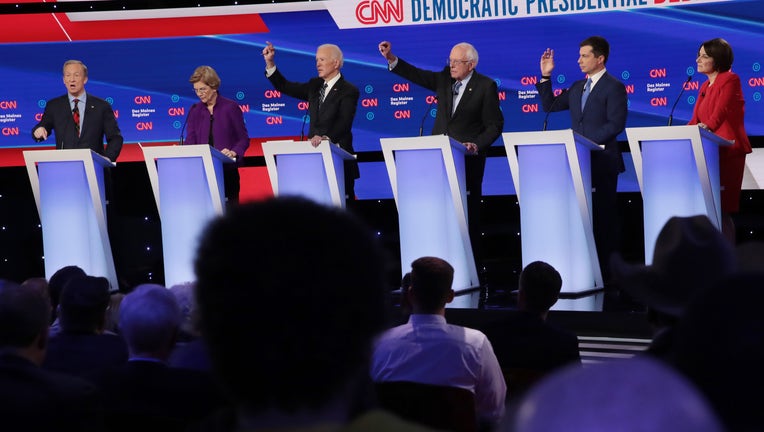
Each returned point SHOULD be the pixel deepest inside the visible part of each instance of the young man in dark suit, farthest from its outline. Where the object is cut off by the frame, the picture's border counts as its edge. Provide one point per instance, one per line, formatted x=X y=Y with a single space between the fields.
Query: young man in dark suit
x=80 y=120
x=600 y=117
x=332 y=102
x=468 y=111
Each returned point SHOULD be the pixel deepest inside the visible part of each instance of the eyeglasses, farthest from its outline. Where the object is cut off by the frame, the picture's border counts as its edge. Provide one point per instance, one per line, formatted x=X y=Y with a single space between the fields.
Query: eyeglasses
x=452 y=62
x=201 y=90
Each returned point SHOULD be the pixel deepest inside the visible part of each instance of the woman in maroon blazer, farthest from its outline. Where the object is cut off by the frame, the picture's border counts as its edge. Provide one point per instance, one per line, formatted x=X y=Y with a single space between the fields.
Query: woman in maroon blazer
x=720 y=108
x=219 y=122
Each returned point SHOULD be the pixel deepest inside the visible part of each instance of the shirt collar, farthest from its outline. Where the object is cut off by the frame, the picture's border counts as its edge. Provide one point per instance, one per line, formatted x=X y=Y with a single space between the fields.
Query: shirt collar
x=596 y=77
x=332 y=82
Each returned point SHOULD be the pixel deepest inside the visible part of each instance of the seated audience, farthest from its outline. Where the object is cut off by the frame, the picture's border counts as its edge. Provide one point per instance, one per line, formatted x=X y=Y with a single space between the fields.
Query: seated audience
x=56 y=284
x=719 y=345
x=690 y=256
x=31 y=398
x=82 y=347
x=526 y=346
x=428 y=350
x=190 y=351
x=309 y=298
x=632 y=395
x=145 y=393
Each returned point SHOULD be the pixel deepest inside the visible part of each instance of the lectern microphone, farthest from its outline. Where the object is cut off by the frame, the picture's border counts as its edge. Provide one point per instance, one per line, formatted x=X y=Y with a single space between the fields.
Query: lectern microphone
x=671 y=114
x=183 y=129
x=427 y=111
x=551 y=108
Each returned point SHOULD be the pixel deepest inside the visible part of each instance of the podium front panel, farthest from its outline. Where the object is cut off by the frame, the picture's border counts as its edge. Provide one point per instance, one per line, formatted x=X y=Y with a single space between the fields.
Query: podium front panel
x=550 y=215
x=71 y=234
x=185 y=208
x=671 y=186
x=304 y=175
x=427 y=194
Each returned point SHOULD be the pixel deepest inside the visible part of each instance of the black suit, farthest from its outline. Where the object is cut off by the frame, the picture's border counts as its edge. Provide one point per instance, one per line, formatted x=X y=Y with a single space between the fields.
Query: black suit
x=33 y=399
x=334 y=118
x=601 y=120
x=99 y=122
x=523 y=341
x=150 y=396
x=478 y=119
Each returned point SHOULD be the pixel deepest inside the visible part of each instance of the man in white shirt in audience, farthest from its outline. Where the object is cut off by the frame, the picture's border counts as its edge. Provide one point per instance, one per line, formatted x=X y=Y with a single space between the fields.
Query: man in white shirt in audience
x=428 y=350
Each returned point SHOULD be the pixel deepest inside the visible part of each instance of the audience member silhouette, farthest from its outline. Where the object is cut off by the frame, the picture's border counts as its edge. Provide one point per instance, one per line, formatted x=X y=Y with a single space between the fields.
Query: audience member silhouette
x=428 y=350
x=81 y=347
x=526 y=346
x=309 y=301
x=190 y=351
x=56 y=283
x=627 y=395
x=31 y=398
x=719 y=345
x=144 y=393
x=690 y=256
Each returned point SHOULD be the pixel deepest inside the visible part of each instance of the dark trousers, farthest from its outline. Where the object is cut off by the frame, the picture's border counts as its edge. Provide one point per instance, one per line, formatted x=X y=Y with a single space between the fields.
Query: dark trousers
x=474 y=169
x=605 y=210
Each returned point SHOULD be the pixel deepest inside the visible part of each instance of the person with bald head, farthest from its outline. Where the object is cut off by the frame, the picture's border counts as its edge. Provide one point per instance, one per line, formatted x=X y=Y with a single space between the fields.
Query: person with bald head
x=468 y=111
x=332 y=102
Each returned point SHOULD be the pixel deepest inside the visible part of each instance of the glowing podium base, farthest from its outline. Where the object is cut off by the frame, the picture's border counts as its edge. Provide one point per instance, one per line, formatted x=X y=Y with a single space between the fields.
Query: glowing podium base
x=69 y=192
x=551 y=171
x=678 y=172
x=187 y=182
x=428 y=181
x=316 y=173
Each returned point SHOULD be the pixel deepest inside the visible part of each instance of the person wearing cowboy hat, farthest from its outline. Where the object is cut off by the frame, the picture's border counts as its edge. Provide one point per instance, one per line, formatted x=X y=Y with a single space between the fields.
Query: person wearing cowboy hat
x=690 y=256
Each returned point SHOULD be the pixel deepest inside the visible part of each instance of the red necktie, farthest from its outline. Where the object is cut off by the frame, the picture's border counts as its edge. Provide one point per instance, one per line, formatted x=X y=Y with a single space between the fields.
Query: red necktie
x=76 y=115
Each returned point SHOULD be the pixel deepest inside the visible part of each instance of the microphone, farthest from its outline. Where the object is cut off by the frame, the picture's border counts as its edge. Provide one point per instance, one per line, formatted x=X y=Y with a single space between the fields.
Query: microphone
x=302 y=127
x=185 y=121
x=671 y=114
x=551 y=108
x=427 y=111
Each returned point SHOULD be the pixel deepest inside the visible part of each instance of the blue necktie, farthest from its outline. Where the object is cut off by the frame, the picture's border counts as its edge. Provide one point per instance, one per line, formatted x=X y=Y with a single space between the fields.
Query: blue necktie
x=455 y=89
x=587 y=90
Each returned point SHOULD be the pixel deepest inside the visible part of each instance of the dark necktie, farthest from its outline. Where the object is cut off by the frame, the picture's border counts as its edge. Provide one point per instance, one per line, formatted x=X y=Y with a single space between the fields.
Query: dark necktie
x=210 y=141
x=587 y=90
x=321 y=95
x=76 y=116
x=456 y=87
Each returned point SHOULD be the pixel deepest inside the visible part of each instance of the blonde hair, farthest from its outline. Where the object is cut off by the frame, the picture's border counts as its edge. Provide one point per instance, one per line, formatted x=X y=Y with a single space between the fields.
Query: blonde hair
x=206 y=75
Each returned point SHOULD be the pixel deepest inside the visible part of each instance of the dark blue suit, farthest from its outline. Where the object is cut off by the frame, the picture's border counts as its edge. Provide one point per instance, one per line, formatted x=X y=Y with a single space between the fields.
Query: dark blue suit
x=99 y=121
x=601 y=120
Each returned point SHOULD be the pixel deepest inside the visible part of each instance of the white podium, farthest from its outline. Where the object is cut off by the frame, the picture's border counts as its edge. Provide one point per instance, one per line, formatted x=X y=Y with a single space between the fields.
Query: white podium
x=678 y=173
x=298 y=168
x=428 y=181
x=68 y=188
x=187 y=182
x=551 y=171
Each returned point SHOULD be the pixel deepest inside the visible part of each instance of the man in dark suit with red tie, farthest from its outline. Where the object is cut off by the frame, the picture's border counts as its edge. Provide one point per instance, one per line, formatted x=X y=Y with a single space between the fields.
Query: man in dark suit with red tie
x=468 y=111
x=598 y=108
x=332 y=102
x=80 y=120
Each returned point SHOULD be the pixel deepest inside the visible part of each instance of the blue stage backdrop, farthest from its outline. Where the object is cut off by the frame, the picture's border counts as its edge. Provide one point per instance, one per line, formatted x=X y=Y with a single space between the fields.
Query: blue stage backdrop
x=141 y=63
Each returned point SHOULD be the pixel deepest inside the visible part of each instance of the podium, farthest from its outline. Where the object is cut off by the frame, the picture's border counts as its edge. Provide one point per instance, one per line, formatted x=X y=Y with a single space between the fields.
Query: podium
x=551 y=171
x=678 y=173
x=68 y=188
x=428 y=181
x=188 y=187
x=298 y=168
